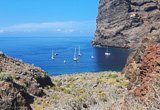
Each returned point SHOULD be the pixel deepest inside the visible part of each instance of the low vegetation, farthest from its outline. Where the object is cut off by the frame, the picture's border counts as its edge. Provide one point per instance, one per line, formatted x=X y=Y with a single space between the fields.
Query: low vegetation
x=85 y=91
x=5 y=76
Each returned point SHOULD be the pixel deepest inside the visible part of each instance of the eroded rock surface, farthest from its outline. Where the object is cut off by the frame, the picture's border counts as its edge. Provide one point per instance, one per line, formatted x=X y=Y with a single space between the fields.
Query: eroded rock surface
x=14 y=97
x=143 y=72
x=19 y=83
x=124 y=23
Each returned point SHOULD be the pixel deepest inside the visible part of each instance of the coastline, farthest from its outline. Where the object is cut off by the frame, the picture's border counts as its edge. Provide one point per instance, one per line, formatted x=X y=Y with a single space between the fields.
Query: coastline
x=65 y=68
x=79 y=91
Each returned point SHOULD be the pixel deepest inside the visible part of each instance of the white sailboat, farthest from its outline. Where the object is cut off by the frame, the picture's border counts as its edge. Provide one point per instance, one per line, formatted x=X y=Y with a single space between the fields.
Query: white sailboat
x=75 y=57
x=52 y=57
x=107 y=52
x=79 y=52
x=64 y=61
x=92 y=54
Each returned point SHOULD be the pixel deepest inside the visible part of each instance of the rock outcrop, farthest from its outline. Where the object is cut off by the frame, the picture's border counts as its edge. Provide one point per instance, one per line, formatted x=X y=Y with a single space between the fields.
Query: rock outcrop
x=124 y=23
x=143 y=71
x=14 y=97
x=18 y=81
x=143 y=65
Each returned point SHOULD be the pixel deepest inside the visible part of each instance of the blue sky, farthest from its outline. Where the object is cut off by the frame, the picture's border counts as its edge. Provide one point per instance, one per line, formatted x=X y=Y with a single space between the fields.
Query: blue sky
x=47 y=17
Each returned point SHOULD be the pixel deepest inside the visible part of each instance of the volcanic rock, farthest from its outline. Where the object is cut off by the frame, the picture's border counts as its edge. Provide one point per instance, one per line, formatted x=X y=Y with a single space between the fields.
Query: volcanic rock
x=124 y=23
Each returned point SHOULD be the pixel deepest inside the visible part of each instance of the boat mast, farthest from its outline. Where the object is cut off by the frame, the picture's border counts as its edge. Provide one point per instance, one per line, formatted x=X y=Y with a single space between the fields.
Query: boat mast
x=52 y=54
x=79 y=51
x=75 y=53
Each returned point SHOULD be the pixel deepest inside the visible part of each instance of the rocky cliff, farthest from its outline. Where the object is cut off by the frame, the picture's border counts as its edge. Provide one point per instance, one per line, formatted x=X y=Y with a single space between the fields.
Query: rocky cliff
x=20 y=83
x=134 y=24
x=124 y=23
x=143 y=72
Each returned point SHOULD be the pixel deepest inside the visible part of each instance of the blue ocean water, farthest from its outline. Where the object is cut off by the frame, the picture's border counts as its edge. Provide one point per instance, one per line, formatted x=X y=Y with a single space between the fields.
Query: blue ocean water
x=38 y=50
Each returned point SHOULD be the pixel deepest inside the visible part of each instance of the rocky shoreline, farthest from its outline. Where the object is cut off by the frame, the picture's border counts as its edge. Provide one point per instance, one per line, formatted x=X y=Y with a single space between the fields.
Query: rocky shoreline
x=25 y=87
x=120 y=23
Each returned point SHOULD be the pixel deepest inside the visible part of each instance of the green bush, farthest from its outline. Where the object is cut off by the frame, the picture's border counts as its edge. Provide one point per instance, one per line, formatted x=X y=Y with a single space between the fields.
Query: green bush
x=125 y=83
x=5 y=76
x=112 y=75
x=65 y=90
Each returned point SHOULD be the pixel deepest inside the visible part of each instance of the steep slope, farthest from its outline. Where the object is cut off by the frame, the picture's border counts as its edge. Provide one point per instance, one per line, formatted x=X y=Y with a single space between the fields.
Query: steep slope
x=124 y=23
x=14 y=96
x=20 y=83
x=143 y=72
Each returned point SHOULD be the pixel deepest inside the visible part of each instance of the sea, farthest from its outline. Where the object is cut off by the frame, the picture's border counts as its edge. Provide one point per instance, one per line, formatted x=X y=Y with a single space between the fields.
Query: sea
x=38 y=51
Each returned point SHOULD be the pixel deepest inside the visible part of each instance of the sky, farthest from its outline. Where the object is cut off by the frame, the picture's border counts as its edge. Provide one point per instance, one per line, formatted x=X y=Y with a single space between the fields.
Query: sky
x=48 y=17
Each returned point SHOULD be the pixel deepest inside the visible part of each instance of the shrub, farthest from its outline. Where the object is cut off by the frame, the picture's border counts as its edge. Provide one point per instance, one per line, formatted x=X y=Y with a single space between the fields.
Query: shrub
x=65 y=90
x=112 y=76
x=124 y=83
x=5 y=76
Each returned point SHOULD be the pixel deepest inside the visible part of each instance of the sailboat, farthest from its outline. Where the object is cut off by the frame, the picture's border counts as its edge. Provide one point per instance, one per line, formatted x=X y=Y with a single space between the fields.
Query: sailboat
x=92 y=54
x=79 y=52
x=107 y=52
x=52 y=57
x=75 y=57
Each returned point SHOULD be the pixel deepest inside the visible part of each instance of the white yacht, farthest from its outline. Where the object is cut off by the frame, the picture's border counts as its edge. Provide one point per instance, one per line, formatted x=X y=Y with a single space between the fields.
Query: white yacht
x=92 y=54
x=107 y=53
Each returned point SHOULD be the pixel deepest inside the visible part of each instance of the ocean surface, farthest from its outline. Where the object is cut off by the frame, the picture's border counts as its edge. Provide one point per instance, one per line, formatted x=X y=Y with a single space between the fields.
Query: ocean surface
x=38 y=51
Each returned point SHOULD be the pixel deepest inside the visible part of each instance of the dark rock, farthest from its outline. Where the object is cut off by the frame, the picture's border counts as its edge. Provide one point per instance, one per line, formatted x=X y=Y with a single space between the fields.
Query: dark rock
x=151 y=7
x=17 y=77
x=124 y=23
x=85 y=106
x=29 y=80
x=35 y=90
x=13 y=97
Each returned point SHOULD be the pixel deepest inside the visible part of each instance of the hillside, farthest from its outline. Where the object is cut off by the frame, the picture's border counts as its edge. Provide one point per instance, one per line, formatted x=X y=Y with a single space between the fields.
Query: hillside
x=20 y=83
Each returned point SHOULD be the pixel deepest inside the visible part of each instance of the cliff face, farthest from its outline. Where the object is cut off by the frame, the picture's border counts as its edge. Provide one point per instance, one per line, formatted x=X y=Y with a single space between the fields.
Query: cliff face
x=134 y=24
x=124 y=23
x=143 y=72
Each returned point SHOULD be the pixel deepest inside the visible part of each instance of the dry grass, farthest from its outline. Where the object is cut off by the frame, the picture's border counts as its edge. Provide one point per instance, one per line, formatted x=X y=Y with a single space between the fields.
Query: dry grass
x=85 y=91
